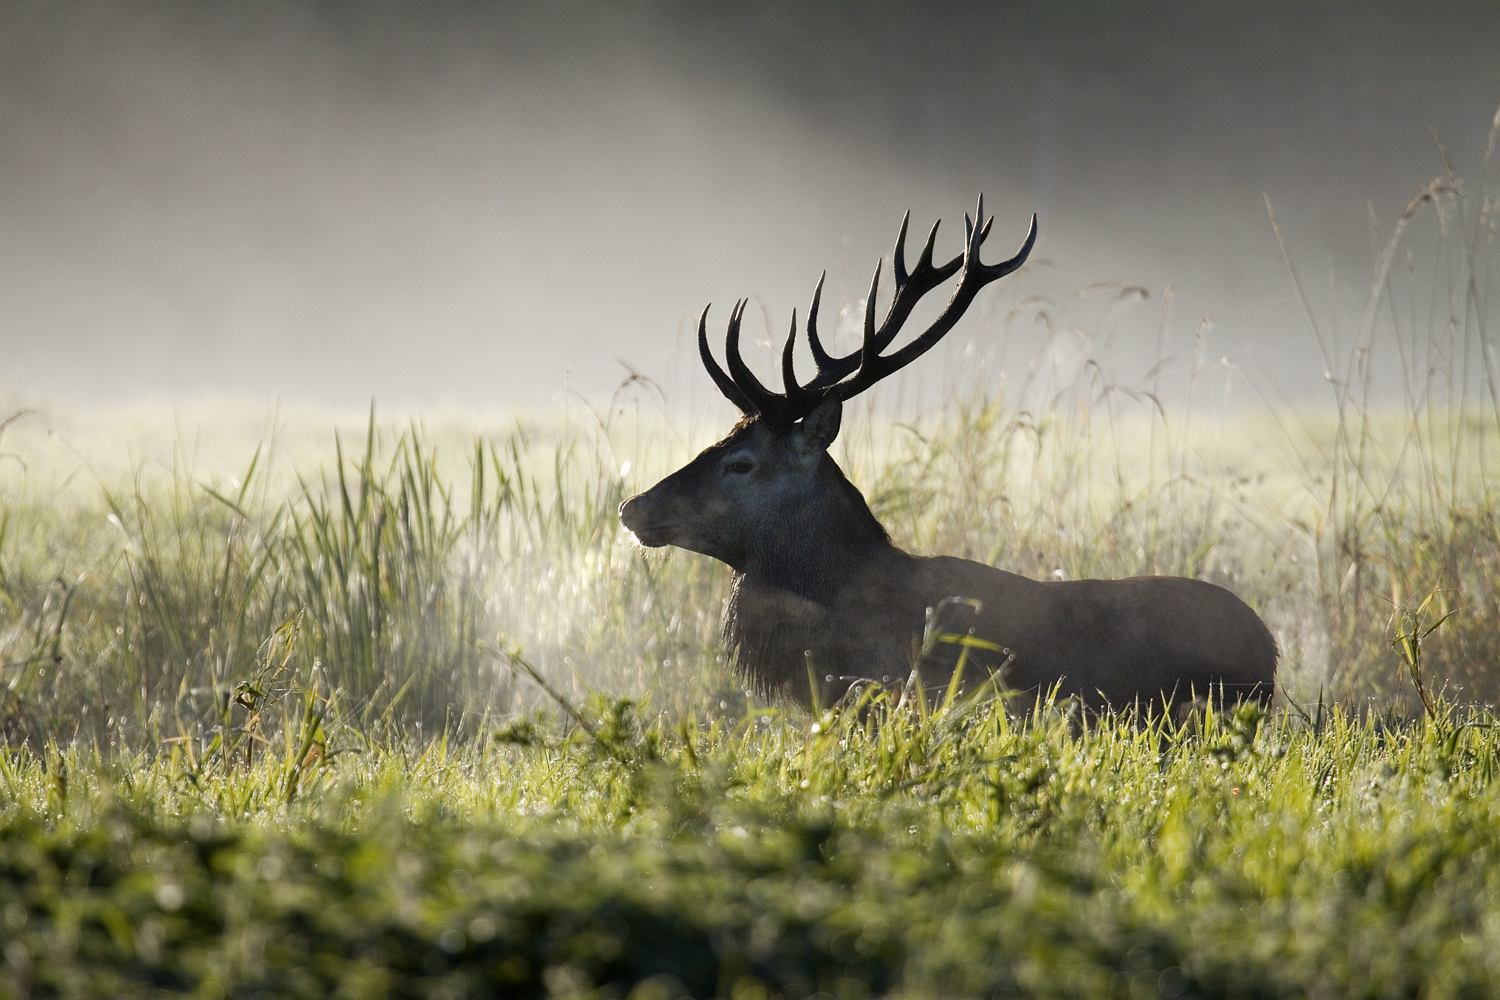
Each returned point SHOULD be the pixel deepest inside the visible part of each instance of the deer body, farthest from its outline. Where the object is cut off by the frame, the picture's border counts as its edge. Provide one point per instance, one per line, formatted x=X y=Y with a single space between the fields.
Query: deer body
x=1148 y=640
x=818 y=585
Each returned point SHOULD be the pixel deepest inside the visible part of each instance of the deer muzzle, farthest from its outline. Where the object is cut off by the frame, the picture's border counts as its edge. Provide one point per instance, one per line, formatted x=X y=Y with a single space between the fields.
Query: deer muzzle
x=635 y=515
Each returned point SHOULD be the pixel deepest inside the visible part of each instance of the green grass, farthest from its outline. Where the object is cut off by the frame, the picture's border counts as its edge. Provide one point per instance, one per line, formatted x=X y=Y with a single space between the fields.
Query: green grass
x=385 y=709
x=962 y=854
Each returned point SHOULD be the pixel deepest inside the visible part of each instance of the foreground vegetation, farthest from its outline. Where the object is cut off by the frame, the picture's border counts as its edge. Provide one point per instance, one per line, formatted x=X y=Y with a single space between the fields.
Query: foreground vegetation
x=960 y=854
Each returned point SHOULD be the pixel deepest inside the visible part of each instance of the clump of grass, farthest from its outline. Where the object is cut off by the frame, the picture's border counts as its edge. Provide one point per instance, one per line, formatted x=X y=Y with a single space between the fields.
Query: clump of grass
x=136 y=614
x=1400 y=501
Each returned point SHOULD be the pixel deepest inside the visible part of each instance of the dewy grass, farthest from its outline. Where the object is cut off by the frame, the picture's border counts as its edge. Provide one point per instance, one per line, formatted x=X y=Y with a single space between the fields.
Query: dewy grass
x=876 y=852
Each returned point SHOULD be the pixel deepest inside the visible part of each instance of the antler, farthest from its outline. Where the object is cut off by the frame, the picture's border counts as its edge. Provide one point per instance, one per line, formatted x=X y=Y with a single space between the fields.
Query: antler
x=853 y=373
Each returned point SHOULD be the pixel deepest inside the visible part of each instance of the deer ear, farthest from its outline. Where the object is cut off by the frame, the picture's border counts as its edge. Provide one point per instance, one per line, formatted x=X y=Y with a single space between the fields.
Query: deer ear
x=816 y=431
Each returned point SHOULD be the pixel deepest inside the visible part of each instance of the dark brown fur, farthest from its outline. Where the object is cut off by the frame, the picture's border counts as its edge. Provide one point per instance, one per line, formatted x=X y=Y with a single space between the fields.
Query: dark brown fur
x=816 y=575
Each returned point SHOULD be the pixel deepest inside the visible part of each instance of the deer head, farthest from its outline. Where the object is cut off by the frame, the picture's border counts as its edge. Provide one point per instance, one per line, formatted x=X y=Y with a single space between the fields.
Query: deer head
x=768 y=496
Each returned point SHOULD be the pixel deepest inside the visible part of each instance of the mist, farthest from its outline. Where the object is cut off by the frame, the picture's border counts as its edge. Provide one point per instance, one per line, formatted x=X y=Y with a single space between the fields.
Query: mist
x=493 y=206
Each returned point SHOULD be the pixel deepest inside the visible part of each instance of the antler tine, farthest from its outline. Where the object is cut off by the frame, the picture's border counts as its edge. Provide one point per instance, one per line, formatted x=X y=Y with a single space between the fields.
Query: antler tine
x=724 y=382
x=820 y=356
x=870 y=308
x=830 y=369
x=799 y=400
x=978 y=222
x=992 y=271
x=898 y=259
x=979 y=218
x=925 y=261
x=762 y=400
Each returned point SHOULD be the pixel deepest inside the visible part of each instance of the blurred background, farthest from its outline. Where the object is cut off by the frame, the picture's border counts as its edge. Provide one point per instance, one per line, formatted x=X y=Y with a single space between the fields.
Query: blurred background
x=495 y=205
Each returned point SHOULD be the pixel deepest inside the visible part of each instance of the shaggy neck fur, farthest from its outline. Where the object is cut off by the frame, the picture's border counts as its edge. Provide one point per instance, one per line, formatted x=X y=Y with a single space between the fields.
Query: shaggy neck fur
x=813 y=548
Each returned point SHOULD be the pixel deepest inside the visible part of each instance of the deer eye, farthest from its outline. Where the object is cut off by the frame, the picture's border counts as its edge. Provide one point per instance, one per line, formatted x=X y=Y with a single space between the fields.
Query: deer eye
x=740 y=467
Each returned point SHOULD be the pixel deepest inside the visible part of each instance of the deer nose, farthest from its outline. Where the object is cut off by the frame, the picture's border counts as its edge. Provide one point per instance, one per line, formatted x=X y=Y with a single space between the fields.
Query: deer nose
x=637 y=520
x=630 y=513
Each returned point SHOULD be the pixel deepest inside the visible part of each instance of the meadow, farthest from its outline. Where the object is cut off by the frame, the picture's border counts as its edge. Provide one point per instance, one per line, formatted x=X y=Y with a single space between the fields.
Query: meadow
x=306 y=706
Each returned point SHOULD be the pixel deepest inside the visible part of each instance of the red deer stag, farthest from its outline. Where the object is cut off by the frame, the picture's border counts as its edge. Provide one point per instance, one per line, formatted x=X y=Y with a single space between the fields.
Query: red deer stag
x=816 y=578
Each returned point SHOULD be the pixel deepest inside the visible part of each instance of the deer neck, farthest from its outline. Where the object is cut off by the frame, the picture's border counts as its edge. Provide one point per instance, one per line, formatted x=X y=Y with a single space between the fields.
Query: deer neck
x=815 y=545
